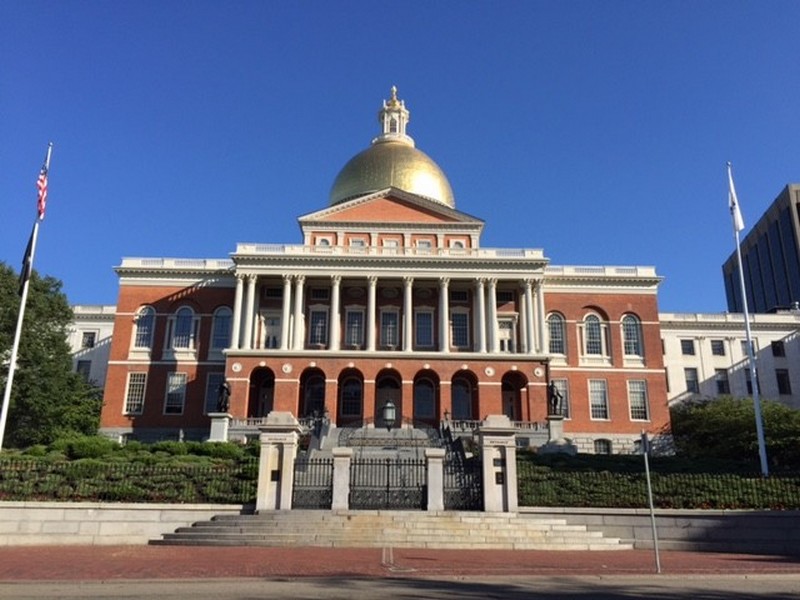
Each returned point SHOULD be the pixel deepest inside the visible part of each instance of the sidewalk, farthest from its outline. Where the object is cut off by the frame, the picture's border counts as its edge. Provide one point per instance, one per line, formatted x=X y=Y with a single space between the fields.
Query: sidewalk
x=104 y=563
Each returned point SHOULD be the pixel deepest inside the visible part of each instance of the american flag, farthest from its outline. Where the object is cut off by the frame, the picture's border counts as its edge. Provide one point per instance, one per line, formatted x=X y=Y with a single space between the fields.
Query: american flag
x=41 y=185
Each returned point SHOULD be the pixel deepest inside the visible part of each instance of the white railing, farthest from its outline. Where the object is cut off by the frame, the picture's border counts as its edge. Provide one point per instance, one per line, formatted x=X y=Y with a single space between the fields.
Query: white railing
x=301 y=250
x=554 y=270
x=199 y=264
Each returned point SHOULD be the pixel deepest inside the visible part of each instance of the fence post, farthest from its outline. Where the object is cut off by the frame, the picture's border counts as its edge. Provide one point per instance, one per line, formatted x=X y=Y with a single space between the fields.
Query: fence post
x=499 y=463
x=279 y=437
x=341 y=478
x=435 y=458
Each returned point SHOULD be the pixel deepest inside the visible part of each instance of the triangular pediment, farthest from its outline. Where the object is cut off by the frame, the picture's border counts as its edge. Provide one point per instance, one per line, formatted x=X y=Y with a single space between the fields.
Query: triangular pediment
x=390 y=206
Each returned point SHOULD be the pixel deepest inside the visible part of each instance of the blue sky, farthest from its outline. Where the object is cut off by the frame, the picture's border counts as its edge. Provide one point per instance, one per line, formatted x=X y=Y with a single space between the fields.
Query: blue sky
x=596 y=130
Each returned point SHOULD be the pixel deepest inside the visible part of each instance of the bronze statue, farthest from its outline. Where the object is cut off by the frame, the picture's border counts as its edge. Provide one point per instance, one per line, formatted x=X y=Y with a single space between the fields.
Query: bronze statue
x=223 y=396
x=554 y=398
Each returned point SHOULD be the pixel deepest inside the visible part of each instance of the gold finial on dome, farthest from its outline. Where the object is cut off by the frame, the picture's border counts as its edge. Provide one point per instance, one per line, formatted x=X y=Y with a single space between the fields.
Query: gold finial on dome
x=394 y=117
x=393 y=102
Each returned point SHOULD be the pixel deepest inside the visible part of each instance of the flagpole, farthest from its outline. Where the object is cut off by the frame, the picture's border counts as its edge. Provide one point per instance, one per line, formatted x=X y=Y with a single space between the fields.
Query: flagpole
x=738 y=225
x=12 y=365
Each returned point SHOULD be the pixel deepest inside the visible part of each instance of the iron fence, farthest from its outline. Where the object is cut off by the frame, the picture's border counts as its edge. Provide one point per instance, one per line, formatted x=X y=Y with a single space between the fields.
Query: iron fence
x=538 y=486
x=313 y=483
x=388 y=483
x=93 y=480
x=463 y=483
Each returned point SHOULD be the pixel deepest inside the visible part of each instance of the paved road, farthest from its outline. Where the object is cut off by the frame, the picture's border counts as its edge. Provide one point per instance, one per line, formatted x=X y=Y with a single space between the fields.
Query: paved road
x=247 y=573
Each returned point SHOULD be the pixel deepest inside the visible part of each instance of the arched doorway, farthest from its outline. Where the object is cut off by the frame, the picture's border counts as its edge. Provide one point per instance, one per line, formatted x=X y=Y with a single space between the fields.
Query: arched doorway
x=351 y=398
x=513 y=385
x=464 y=397
x=262 y=393
x=388 y=388
x=426 y=398
x=312 y=394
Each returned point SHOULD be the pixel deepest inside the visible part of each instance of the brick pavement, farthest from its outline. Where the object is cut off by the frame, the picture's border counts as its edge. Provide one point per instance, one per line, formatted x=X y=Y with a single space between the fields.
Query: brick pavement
x=104 y=563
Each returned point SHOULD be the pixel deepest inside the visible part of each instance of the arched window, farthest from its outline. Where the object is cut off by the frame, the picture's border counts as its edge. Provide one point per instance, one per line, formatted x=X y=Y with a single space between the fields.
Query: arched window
x=555 y=326
x=183 y=328
x=221 y=330
x=461 y=399
x=352 y=395
x=424 y=399
x=314 y=396
x=594 y=335
x=632 y=336
x=145 y=322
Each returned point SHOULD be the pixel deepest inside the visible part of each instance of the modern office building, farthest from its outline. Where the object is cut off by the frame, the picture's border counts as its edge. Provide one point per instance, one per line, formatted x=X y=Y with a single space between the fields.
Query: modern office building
x=770 y=259
x=389 y=296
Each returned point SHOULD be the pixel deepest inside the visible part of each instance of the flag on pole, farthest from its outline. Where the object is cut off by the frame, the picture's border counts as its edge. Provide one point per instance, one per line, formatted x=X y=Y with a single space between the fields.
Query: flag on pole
x=733 y=203
x=25 y=272
x=41 y=185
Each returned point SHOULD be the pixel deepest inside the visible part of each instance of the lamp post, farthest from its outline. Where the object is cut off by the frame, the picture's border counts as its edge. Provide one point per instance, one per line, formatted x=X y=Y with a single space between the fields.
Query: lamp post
x=389 y=414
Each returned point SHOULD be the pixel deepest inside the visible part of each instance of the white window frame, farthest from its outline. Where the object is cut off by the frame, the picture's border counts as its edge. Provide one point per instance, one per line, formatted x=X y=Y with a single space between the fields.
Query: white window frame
x=395 y=313
x=562 y=351
x=354 y=341
x=213 y=381
x=219 y=340
x=424 y=246
x=638 y=401
x=428 y=312
x=318 y=309
x=135 y=393
x=460 y=312
x=390 y=246
x=600 y=386
x=94 y=339
x=190 y=350
x=512 y=343
x=143 y=348
x=175 y=392
x=603 y=442
x=604 y=356
x=696 y=379
x=358 y=245
x=632 y=339
x=266 y=317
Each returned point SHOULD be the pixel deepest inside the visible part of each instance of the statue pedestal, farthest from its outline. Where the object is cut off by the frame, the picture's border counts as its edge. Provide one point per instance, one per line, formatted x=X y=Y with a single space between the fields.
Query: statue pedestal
x=219 y=426
x=556 y=442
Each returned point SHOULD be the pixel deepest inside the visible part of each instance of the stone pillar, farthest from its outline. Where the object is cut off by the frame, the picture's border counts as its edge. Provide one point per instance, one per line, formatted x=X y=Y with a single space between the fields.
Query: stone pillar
x=408 y=315
x=341 y=478
x=285 y=311
x=540 y=317
x=499 y=453
x=279 y=437
x=444 y=314
x=480 y=316
x=249 y=311
x=491 y=326
x=435 y=458
x=219 y=426
x=298 y=313
x=523 y=325
x=530 y=344
x=369 y=326
x=236 y=329
x=335 y=329
x=556 y=443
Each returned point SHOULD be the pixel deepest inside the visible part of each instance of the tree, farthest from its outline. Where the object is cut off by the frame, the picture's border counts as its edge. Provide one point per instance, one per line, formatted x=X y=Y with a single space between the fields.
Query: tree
x=725 y=428
x=48 y=399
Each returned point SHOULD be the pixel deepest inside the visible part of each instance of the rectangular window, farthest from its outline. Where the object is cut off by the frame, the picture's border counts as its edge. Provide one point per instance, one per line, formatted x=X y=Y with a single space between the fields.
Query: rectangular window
x=275 y=293
x=778 y=349
x=320 y=293
x=563 y=389
x=637 y=400
x=459 y=329
x=89 y=339
x=390 y=329
x=721 y=377
x=424 y=246
x=459 y=296
x=687 y=347
x=423 y=330
x=784 y=386
x=221 y=332
x=134 y=394
x=272 y=330
x=212 y=391
x=84 y=368
x=505 y=296
x=318 y=327
x=354 y=328
x=390 y=246
x=176 y=394
x=752 y=346
x=692 y=383
x=718 y=347
x=598 y=398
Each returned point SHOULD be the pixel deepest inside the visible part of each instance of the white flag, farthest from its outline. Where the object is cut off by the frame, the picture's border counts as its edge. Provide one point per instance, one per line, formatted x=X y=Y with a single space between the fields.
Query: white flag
x=733 y=203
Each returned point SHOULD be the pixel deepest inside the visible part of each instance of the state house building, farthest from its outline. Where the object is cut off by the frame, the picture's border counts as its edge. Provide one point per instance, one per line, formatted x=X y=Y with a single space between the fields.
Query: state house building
x=389 y=296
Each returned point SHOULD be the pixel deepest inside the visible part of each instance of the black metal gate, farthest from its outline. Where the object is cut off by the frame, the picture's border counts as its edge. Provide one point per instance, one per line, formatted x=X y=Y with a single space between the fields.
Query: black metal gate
x=313 y=483
x=463 y=483
x=388 y=483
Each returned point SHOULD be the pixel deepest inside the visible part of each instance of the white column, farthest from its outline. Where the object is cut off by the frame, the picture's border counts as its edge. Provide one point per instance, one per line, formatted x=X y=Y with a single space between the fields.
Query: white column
x=408 y=315
x=529 y=317
x=524 y=338
x=297 y=342
x=286 y=311
x=249 y=311
x=540 y=316
x=480 y=315
x=491 y=326
x=335 y=329
x=369 y=326
x=444 y=314
x=236 y=330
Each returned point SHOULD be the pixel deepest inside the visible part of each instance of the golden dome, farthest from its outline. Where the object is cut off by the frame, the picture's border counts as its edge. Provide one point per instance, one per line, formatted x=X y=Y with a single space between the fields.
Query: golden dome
x=392 y=161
